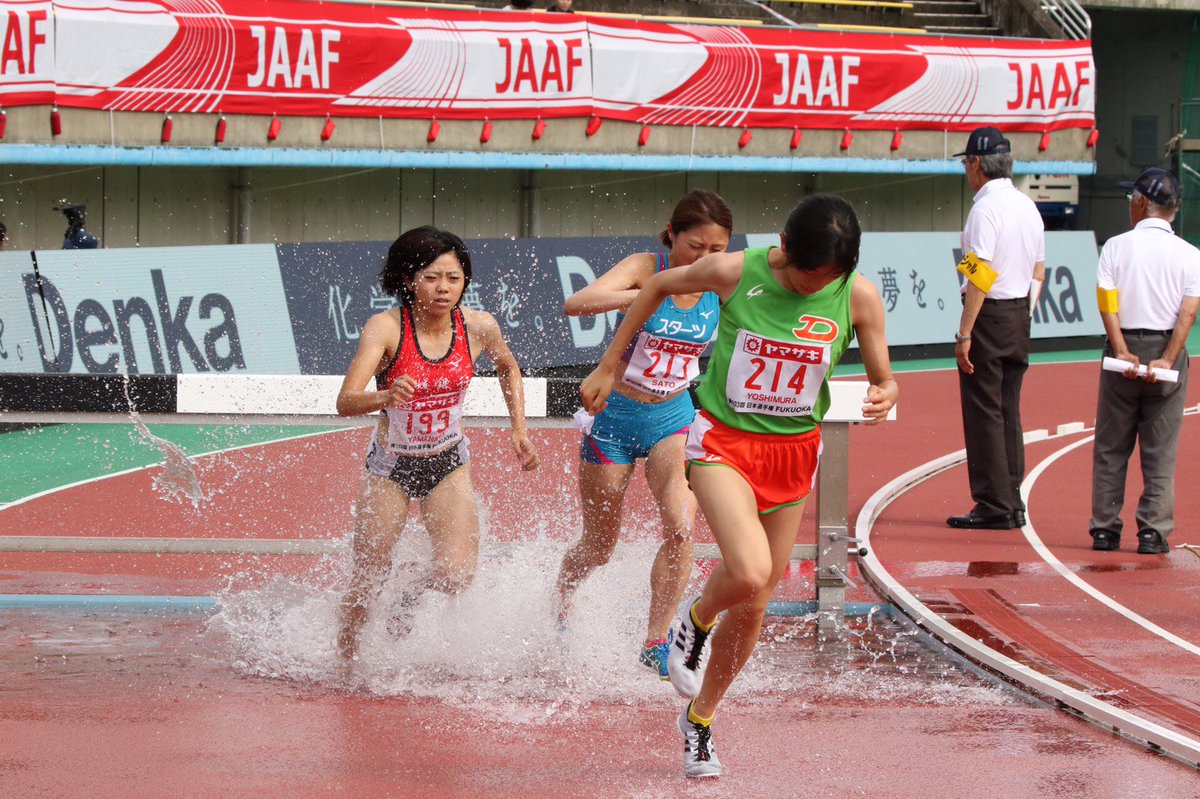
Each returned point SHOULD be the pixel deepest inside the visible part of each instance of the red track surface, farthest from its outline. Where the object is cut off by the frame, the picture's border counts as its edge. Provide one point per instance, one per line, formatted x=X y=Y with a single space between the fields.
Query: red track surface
x=996 y=587
x=227 y=734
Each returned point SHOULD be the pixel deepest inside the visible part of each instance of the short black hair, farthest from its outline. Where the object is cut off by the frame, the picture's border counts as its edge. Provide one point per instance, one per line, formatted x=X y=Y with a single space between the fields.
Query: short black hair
x=415 y=250
x=822 y=229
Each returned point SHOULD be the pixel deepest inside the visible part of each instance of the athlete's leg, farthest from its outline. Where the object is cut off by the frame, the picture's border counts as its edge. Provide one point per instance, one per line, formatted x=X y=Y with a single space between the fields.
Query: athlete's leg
x=732 y=514
x=452 y=521
x=381 y=512
x=677 y=507
x=737 y=635
x=601 y=493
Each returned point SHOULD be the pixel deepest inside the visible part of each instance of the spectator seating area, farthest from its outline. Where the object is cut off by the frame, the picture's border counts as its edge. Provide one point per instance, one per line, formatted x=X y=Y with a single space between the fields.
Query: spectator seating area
x=947 y=17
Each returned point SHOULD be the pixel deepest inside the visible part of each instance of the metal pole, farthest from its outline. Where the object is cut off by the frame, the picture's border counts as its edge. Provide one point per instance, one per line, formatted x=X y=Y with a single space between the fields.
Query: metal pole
x=833 y=482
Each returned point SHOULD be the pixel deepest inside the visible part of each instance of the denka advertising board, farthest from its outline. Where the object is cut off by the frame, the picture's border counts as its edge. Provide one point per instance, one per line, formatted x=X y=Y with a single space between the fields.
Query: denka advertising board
x=299 y=308
x=156 y=310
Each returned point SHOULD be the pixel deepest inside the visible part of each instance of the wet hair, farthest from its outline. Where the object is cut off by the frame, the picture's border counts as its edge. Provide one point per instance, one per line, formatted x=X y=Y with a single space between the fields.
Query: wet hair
x=698 y=207
x=415 y=250
x=822 y=229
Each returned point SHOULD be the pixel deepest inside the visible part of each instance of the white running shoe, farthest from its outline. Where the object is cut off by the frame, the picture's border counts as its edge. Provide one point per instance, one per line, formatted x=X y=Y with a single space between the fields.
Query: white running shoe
x=687 y=659
x=699 y=754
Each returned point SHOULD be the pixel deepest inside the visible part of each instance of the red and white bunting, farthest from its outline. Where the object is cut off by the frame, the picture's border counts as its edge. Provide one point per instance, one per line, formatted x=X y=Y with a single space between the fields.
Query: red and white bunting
x=342 y=60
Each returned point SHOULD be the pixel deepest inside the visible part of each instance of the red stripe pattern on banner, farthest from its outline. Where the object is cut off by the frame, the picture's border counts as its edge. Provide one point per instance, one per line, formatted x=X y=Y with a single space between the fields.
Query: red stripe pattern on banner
x=345 y=60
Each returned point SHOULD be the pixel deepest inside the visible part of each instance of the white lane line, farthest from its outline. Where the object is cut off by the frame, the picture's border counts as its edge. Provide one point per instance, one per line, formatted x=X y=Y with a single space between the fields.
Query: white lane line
x=1070 y=576
x=174 y=546
x=210 y=453
x=1094 y=708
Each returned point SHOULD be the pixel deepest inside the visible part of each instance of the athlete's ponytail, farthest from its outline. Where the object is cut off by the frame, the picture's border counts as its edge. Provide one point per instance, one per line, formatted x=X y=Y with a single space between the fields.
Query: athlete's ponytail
x=415 y=250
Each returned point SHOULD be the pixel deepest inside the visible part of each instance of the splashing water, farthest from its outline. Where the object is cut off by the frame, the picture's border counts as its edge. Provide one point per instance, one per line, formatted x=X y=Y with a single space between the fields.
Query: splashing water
x=497 y=643
x=178 y=480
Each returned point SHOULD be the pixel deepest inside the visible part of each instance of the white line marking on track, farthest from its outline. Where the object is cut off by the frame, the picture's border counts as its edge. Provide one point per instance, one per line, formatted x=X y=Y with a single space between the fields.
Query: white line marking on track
x=1095 y=708
x=1036 y=542
x=210 y=453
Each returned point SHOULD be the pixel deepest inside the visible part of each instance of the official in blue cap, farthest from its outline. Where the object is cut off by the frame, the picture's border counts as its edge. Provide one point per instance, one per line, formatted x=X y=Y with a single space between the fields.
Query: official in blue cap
x=1002 y=266
x=1148 y=290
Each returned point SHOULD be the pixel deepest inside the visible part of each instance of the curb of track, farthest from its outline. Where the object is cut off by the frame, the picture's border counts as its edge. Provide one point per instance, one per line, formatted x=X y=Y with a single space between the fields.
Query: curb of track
x=1098 y=711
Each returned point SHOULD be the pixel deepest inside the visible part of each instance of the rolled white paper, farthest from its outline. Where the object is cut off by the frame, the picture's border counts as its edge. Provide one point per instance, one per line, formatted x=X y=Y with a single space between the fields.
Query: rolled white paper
x=1117 y=365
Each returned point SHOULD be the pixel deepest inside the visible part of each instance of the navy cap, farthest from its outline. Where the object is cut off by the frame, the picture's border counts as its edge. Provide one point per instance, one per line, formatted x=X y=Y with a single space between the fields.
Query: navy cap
x=1156 y=185
x=986 y=141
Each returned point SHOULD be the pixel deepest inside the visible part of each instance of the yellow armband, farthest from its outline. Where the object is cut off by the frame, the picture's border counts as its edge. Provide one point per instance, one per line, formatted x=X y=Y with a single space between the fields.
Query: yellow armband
x=978 y=271
x=1107 y=300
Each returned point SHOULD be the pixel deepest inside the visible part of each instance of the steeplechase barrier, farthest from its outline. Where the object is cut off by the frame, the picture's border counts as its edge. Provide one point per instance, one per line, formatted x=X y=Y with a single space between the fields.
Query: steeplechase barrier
x=195 y=399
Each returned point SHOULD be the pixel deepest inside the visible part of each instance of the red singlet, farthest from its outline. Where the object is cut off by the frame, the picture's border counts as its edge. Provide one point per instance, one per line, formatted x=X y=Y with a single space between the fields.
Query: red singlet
x=432 y=419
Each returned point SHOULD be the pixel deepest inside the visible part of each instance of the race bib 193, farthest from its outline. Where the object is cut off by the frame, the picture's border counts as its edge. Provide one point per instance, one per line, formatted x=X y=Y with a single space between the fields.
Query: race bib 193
x=425 y=426
x=662 y=366
x=776 y=378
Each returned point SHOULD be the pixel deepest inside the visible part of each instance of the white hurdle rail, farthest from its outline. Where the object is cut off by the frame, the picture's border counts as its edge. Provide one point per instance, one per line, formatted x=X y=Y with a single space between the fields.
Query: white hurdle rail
x=310 y=400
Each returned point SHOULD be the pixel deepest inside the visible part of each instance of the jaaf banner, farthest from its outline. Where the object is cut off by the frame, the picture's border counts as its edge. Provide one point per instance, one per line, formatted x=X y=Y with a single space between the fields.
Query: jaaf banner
x=348 y=60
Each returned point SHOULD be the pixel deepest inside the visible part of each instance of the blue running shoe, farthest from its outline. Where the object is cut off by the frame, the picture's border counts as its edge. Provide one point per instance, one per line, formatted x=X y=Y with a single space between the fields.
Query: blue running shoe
x=655 y=657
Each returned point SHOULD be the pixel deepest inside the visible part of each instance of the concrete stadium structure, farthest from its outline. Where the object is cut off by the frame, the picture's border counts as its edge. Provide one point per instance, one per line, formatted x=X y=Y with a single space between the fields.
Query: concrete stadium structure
x=380 y=176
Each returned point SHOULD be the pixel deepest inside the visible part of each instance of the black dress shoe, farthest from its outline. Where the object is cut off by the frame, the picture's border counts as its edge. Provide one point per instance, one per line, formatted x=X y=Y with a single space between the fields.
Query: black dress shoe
x=1105 y=540
x=974 y=521
x=1018 y=518
x=1151 y=543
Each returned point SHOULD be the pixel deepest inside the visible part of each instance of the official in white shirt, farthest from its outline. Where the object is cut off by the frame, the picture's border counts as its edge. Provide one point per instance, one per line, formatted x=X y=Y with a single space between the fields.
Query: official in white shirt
x=1004 y=251
x=1148 y=289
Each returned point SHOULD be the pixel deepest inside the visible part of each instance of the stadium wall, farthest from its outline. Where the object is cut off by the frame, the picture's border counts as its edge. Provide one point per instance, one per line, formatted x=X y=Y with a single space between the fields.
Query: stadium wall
x=299 y=308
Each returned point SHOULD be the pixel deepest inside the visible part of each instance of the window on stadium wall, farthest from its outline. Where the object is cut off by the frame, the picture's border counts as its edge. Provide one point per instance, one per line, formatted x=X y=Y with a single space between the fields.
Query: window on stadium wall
x=299 y=308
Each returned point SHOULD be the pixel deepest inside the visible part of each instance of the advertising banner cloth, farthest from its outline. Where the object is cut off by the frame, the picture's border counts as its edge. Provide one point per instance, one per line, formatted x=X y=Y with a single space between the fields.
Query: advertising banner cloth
x=300 y=308
x=349 y=60
x=167 y=310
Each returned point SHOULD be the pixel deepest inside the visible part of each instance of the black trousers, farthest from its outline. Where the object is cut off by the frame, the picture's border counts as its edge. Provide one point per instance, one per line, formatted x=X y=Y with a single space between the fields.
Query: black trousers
x=991 y=406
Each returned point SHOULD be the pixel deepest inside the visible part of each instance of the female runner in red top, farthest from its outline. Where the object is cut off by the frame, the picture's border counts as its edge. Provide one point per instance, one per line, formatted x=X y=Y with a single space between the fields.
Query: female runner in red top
x=421 y=354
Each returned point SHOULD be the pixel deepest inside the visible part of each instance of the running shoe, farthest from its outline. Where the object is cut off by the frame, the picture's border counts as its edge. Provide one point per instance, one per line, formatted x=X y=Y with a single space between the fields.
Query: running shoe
x=686 y=661
x=699 y=754
x=655 y=657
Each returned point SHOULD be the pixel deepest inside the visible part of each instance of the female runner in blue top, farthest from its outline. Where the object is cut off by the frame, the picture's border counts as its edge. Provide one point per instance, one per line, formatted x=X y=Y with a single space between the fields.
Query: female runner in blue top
x=648 y=415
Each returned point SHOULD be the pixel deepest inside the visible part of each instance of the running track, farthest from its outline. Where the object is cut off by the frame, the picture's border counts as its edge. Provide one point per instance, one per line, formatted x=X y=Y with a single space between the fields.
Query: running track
x=993 y=584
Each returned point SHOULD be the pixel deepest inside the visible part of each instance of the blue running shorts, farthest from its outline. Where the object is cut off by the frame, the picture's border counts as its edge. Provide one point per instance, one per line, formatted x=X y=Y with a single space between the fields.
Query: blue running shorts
x=627 y=430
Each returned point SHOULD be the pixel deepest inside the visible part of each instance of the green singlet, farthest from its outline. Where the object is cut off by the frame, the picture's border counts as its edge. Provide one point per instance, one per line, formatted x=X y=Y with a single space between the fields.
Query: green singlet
x=775 y=348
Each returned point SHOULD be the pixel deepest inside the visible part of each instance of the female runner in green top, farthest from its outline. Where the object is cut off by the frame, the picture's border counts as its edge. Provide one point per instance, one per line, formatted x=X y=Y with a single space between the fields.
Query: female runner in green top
x=787 y=315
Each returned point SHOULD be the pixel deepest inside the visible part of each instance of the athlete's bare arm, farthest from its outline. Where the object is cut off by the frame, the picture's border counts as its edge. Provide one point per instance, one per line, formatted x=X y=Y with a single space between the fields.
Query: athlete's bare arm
x=866 y=314
x=375 y=349
x=492 y=344
x=718 y=273
x=615 y=289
